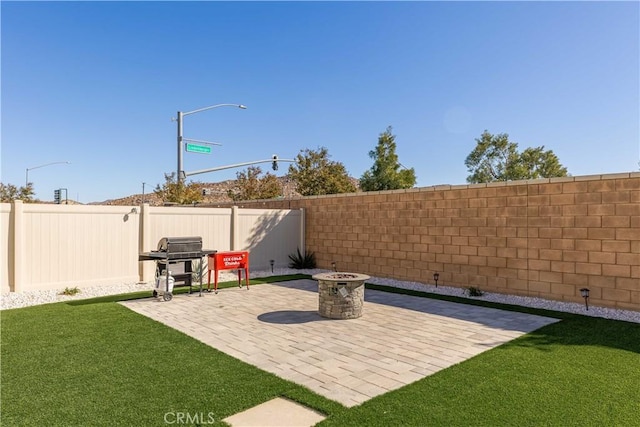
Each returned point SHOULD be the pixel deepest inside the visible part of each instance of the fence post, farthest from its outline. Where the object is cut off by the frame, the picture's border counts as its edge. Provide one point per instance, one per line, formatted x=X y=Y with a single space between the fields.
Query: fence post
x=235 y=229
x=146 y=270
x=302 y=241
x=18 y=245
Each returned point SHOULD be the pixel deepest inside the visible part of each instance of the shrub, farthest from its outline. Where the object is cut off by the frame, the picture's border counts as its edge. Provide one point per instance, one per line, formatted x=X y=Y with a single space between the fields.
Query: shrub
x=70 y=291
x=474 y=292
x=300 y=261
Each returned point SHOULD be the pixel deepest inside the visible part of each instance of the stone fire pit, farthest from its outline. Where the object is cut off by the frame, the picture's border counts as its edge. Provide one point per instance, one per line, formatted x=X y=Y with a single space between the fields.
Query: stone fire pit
x=341 y=295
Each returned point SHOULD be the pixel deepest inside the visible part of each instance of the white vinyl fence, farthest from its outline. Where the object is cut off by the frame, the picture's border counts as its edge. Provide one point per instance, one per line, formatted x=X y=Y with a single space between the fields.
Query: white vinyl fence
x=56 y=246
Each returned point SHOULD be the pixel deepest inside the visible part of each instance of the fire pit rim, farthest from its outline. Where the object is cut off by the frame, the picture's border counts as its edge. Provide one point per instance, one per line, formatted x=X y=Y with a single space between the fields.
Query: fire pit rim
x=340 y=276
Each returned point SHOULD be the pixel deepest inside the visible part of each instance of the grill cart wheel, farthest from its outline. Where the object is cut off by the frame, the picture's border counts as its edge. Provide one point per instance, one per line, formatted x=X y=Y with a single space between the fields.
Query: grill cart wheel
x=167 y=296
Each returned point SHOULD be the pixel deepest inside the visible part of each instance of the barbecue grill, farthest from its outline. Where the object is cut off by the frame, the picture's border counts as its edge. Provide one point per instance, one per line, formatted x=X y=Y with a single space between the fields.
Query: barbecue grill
x=177 y=250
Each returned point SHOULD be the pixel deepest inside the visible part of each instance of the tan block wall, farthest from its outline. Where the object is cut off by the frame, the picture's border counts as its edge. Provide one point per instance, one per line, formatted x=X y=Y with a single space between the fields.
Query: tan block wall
x=543 y=238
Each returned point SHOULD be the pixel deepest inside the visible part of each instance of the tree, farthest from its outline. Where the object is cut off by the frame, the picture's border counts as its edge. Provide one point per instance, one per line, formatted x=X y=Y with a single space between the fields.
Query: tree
x=538 y=163
x=9 y=193
x=250 y=186
x=386 y=173
x=178 y=192
x=314 y=174
x=495 y=158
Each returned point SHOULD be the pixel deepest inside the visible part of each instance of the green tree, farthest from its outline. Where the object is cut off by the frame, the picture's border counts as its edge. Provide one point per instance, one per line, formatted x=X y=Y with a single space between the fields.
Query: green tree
x=538 y=163
x=386 y=173
x=250 y=186
x=495 y=158
x=314 y=174
x=178 y=192
x=9 y=193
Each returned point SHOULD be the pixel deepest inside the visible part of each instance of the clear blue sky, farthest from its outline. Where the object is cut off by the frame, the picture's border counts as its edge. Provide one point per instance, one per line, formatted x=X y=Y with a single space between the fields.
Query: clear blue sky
x=97 y=84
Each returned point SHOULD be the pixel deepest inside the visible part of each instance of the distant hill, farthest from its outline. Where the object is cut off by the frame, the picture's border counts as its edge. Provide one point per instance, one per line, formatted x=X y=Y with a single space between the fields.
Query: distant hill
x=215 y=192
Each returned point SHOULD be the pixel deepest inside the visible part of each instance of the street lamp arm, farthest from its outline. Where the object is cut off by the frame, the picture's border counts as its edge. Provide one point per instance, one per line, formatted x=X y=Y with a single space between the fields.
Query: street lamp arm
x=47 y=164
x=237 y=165
x=214 y=106
x=41 y=166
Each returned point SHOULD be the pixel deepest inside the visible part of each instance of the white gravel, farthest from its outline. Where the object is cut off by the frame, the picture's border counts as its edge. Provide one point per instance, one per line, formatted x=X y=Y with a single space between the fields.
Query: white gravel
x=29 y=298
x=567 y=307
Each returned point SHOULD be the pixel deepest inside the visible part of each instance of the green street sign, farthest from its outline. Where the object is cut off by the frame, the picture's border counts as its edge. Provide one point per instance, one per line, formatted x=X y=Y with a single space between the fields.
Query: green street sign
x=197 y=148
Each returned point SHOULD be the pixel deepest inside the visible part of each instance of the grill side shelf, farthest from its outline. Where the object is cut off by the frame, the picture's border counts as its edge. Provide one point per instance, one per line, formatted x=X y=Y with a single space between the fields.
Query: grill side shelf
x=152 y=256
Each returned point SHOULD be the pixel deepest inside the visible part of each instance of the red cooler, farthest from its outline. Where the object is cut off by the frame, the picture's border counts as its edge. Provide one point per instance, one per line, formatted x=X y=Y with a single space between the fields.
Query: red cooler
x=228 y=261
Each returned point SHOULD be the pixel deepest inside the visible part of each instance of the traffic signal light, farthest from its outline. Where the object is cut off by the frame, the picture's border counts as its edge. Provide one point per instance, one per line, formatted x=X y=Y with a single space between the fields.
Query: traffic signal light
x=56 y=196
x=274 y=165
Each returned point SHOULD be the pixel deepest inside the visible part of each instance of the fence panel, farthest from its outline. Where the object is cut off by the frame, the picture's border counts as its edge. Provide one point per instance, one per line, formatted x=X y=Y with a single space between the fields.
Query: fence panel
x=212 y=224
x=270 y=234
x=56 y=246
x=66 y=245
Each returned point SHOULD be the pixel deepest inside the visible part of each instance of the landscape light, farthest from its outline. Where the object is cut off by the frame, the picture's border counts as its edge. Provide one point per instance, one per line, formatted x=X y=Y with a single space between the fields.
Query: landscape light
x=436 y=276
x=585 y=294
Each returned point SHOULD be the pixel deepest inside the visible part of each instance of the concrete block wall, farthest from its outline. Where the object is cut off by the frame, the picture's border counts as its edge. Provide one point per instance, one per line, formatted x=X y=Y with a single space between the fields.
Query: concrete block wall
x=544 y=238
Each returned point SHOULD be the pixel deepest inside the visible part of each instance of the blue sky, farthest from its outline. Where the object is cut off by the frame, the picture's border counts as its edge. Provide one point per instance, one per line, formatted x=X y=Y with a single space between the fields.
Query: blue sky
x=97 y=84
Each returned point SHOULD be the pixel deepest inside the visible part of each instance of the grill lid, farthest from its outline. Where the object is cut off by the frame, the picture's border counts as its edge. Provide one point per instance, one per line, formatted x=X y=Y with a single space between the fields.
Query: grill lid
x=180 y=244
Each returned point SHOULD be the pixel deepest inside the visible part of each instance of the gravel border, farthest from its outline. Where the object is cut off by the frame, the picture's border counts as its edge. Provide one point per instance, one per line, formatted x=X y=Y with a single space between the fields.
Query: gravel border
x=566 y=307
x=30 y=298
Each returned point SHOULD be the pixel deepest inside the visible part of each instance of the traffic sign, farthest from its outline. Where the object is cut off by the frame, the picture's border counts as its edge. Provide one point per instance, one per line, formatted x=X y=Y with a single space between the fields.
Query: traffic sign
x=197 y=148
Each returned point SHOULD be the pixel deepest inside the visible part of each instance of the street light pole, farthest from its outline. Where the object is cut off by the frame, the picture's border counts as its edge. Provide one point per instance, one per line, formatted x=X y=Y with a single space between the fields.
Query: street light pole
x=38 y=167
x=180 y=171
x=143 y=184
x=180 y=143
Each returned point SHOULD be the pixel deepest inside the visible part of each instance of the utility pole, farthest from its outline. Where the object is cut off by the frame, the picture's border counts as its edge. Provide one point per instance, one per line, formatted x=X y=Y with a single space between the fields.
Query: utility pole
x=143 y=184
x=180 y=169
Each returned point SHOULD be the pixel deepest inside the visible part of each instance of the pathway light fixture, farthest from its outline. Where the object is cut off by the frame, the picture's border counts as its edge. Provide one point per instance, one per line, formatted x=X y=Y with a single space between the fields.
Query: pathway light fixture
x=585 y=294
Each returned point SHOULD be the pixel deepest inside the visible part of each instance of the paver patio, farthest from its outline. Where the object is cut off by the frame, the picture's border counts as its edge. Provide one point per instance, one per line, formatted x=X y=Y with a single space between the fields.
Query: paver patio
x=398 y=340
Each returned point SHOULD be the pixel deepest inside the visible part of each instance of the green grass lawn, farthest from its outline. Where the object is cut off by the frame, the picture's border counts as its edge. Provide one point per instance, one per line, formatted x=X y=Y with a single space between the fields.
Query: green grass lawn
x=94 y=362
